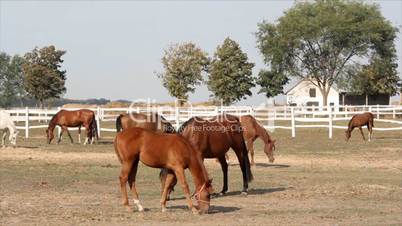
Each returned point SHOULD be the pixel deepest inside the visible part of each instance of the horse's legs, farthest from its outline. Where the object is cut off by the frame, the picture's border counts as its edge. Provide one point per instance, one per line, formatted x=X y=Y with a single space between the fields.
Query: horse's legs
x=88 y=138
x=250 y=148
x=224 y=166
x=182 y=179
x=361 y=131
x=370 y=129
x=242 y=161
x=3 y=139
x=69 y=135
x=60 y=136
x=170 y=177
x=79 y=134
x=131 y=183
x=124 y=173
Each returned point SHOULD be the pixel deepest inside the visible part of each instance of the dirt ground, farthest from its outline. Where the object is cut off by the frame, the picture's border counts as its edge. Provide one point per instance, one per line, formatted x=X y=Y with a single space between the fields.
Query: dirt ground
x=314 y=181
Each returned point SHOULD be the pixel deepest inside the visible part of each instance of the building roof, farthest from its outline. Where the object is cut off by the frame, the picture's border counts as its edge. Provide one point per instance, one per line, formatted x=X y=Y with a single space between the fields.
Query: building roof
x=306 y=80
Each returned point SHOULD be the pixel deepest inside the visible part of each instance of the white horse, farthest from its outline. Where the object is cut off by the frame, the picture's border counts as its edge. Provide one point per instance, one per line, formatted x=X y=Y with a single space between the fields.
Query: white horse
x=7 y=124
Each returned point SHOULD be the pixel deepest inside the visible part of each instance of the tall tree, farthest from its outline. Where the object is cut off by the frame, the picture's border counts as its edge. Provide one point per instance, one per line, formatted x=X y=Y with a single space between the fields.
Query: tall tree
x=183 y=66
x=44 y=78
x=230 y=73
x=319 y=40
x=11 y=79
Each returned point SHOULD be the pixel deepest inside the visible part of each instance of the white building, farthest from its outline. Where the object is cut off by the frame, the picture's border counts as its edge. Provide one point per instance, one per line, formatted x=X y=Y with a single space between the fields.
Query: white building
x=305 y=93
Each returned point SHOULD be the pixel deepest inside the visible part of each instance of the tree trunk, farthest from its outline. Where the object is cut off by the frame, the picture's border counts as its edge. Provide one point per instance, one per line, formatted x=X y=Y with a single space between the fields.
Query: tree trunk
x=41 y=104
x=324 y=97
x=366 y=99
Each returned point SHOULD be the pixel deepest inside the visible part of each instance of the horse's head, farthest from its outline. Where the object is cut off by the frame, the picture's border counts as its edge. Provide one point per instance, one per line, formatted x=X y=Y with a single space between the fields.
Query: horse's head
x=49 y=135
x=203 y=197
x=347 y=134
x=13 y=138
x=269 y=150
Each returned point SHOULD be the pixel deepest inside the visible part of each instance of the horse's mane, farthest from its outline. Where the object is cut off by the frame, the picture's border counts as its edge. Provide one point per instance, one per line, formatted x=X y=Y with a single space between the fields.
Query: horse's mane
x=169 y=127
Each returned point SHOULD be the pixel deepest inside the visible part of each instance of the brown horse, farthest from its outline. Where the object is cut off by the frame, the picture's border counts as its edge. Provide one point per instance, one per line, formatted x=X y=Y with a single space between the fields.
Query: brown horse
x=251 y=131
x=212 y=139
x=159 y=150
x=151 y=121
x=359 y=120
x=78 y=118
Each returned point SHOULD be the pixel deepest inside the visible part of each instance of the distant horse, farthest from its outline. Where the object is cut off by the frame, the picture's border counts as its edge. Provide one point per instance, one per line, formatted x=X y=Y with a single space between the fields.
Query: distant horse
x=212 y=139
x=78 y=118
x=251 y=131
x=359 y=120
x=6 y=123
x=151 y=121
x=160 y=150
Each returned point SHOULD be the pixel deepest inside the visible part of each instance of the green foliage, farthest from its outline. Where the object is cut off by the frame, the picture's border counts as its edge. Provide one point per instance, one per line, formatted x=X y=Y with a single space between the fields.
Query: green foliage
x=11 y=79
x=183 y=66
x=271 y=82
x=377 y=77
x=230 y=73
x=44 y=78
x=319 y=40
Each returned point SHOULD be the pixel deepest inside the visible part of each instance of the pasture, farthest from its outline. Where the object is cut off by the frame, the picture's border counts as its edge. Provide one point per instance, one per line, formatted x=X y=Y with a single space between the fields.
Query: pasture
x=314 y=180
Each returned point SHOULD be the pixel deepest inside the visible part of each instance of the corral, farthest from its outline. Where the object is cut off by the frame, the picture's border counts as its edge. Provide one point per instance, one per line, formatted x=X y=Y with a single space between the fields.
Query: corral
x=314 y=180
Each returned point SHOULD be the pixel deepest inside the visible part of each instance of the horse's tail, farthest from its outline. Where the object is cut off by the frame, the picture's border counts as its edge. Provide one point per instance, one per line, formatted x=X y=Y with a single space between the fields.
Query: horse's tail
x=94 y=128
x=249 y=174
x=118 y=123
x=372 y=119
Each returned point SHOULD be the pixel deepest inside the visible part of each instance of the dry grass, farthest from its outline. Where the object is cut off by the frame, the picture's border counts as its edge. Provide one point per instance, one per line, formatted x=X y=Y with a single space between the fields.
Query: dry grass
x=313 y=181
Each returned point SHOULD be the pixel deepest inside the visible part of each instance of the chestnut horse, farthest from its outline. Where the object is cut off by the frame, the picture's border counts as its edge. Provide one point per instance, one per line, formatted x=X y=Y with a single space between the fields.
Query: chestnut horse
x=78 y=118
x=359 y=120
x=212 y=139
x=161 y=150
x=151 y=121
x=251 y=131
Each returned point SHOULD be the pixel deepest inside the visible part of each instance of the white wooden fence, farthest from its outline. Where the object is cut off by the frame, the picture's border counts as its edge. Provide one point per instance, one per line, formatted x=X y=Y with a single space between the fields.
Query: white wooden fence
x=299 y=117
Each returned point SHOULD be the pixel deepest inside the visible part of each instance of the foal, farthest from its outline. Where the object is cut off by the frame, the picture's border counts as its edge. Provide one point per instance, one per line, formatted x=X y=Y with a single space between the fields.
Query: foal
x=158 y=150
x=359 y=120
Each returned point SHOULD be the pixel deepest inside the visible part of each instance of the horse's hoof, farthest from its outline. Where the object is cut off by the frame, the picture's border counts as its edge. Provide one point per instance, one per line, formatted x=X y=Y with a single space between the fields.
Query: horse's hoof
x=164 y=210
x=141 y=209
x=244 y=193
x=128 y=209
x=195 y=211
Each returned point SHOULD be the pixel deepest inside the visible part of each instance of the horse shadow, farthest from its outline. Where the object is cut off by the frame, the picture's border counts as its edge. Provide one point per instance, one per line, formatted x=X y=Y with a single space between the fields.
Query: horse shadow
x=272 y=165
x=105 y=142
x=265 y=165
x=27 y=147
x=256 y=191
x=213 y=209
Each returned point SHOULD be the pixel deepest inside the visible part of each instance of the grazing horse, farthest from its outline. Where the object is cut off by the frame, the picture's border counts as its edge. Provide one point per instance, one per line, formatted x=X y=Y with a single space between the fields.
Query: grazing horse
x=359 y=120
x=7 y=124
x=161 y=150
x=251 y=131
x=151 y=121
x=78 y=118
x=212 y=139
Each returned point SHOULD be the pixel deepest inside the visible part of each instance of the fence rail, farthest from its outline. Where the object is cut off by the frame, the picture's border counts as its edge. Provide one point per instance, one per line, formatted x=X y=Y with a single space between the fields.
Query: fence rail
x=299 y=117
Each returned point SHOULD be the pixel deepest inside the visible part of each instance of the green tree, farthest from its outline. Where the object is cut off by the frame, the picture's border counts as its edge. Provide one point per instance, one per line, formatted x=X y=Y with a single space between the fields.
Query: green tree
x=183 y=66
x=230 y=73
x=271 y=82
x=11 y=79
x=319 y=40
x=43 y=77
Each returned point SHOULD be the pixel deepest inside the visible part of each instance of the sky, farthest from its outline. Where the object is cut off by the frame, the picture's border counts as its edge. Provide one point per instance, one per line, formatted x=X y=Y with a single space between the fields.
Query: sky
x=114 y=48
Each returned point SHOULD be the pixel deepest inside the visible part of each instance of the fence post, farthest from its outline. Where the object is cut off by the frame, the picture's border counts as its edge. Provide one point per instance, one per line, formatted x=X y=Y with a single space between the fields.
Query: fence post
x=98 y=120
x=292 y=110
x=378 y=111
x=26 y=122
x=58 y=127
x=330 y=122
x=393 y=113
x=177 y=119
